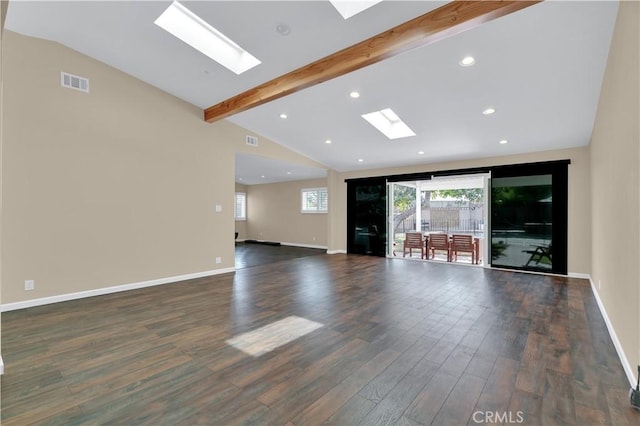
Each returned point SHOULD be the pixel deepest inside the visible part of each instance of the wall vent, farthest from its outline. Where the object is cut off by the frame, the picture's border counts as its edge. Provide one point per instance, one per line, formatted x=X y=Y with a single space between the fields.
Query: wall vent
x=251 y=140
x=74 y=82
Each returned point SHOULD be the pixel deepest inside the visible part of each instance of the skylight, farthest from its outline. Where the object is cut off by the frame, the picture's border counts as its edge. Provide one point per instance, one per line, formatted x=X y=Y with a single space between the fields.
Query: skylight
x=193 y=30
x=349 y=8
x=389 y=124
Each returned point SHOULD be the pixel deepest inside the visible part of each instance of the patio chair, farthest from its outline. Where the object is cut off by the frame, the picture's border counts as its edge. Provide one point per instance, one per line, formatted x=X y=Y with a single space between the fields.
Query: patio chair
x=464 y=244
x=413 y=240
x=539 y=254
x=438 y=242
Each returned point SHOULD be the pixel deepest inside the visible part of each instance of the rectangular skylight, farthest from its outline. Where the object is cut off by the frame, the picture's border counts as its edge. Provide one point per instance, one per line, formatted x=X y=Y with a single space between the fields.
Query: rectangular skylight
x=389 y=124
x=348 y=8
x=193 y=30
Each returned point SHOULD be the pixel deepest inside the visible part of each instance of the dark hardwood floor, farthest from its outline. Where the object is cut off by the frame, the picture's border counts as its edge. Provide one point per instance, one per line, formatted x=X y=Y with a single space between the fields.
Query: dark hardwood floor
x=251 y=254
x=391 y=342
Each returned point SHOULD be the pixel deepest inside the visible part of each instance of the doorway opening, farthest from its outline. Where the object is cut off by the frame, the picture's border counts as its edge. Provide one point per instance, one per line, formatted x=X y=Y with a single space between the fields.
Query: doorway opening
x=439 y=209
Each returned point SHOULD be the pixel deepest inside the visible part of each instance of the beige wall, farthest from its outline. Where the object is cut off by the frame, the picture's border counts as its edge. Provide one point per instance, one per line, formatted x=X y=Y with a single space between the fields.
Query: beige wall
x=3 y=14
x=273 y=214
x=112 y=187
x=117 y=186
x=615 y=183
x=241 y=225
x=579 y=254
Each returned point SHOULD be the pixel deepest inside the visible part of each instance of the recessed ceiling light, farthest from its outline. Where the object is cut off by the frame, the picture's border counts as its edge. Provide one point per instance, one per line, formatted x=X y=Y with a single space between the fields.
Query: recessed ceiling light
x=283 y=29
x=288 y=173
x=420 y=152
x=349 y=8
x=389 y=124
x=283 y=115
x=197 y=33
x=503 y=142
x=328 y=141
x=239 y=178
x=262 y=176
x=488 y=111
x=467 y=61
x=354 y=95
x=360 y=160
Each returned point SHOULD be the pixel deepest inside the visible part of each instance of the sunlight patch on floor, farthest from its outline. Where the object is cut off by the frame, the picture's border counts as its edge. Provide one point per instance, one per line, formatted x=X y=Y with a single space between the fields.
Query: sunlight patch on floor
x=265 y=339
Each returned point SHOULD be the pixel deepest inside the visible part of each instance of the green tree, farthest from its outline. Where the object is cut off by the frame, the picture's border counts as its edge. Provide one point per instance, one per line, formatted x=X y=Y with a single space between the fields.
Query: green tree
x=470 y=195
x=404 y=204
x=404 y=197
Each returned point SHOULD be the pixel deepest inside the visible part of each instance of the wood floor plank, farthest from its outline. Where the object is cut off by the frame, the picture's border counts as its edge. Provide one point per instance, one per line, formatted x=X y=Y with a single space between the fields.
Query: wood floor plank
x=459 y=406
x=400 y=342
x=405 y=421
x=286 y=409
x=352 y=412
x=429 y=401
x=500 y=382
x=390 y=409
x=327 y=405
x=457 y=362
x=379 y=387
x=528 y=405
x=321 y=368
x=55 y=402
x=248 y=414
x=480 y=365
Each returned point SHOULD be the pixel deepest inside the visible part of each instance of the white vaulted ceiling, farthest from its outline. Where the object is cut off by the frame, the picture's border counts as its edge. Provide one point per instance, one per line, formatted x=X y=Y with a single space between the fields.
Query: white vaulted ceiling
x=541 y=68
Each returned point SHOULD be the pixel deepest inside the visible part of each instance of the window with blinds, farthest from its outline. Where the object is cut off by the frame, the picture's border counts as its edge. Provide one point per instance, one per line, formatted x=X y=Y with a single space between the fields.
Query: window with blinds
x=241 y=206
x=315 y=200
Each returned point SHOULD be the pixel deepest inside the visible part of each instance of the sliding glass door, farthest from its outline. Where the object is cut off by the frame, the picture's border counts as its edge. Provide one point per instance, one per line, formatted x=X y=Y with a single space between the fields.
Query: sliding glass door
x=366 y=216
x=529 y=218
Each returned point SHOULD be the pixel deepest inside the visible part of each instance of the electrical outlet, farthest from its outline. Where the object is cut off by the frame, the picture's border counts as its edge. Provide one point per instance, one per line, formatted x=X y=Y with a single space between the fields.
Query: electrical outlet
x=218 y=259
x=218 y=208
x=29 y=285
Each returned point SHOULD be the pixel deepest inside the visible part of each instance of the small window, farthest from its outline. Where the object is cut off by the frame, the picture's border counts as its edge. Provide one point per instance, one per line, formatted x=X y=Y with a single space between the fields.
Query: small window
x=241 y=206
x=315 y=200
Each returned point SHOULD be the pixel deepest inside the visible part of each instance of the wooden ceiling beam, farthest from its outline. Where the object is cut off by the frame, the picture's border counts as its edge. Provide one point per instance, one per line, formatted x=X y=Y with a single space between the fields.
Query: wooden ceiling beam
x=445 y=21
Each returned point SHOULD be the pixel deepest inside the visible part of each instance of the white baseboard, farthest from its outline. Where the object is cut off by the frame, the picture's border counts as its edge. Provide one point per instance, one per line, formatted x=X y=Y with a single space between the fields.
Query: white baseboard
x=108 y=290
x=614 y=337
x=303 y=245
x=579 y=275
x=336 y=252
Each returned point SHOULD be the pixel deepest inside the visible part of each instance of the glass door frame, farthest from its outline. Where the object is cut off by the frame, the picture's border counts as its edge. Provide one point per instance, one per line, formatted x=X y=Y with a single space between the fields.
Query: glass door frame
x=485 y=175
x=557 y=168
x=559 y=232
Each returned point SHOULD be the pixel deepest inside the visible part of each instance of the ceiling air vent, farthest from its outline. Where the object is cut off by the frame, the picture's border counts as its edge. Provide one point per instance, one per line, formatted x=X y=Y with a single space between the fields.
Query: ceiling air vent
x=74 y=82
x=251 y=140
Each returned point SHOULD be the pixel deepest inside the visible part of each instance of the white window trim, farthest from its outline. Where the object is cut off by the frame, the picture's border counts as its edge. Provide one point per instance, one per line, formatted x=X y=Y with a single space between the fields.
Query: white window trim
x=235 y=212
x=302 y=192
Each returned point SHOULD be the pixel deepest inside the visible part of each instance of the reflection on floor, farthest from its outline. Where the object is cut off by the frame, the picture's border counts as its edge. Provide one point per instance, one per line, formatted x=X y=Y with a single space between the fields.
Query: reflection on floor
x=248 y=255
x=272 y=336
